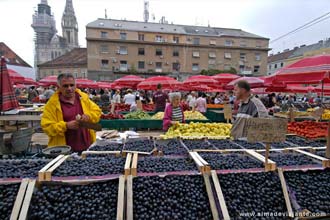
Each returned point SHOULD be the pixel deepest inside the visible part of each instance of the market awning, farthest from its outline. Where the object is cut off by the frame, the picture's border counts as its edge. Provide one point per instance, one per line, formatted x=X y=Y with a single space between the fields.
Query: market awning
x=152 y=82
x=129 y=81
x=254 y=82
x=8 y=99
x=225 y=78
x=15 y=77
x=49 y=80
x=201 y=80
x=86 y=83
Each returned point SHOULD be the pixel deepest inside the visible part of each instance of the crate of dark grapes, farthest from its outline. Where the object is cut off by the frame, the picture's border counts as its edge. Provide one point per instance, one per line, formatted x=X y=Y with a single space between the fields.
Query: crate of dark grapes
x=8 y=195
x=170 y=197
x=171 y=147
x=196 y=145
x=144 y=146
x=102 y=145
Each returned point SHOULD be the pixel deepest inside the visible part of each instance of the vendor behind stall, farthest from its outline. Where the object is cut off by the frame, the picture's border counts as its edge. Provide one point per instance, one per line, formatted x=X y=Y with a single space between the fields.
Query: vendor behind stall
x=160 y=98
x=249 y=107
x=173 y=111
x=64 y=110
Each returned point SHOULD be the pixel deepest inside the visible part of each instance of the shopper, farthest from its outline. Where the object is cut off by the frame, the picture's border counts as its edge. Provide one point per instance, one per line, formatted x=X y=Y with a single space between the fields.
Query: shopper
x=129 y=98
x=116 y=97
x=201 y=104
x=250 y=107
x=32 y=94
x=173 y=112
x=62 y=113
x=160 y=98
x=191 y=100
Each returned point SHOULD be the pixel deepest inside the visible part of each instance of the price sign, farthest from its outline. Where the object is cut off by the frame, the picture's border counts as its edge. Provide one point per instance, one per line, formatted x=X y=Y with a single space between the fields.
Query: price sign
x=227 y=112
x=266 y=130
x=317 y=114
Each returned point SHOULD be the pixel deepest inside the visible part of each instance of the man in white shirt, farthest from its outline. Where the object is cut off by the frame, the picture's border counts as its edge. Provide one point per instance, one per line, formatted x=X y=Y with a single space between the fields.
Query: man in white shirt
x=191 y=100
x=129 y=98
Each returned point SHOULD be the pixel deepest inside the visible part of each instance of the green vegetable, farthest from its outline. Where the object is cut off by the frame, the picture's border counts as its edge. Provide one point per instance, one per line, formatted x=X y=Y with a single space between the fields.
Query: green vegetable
x=137 y=115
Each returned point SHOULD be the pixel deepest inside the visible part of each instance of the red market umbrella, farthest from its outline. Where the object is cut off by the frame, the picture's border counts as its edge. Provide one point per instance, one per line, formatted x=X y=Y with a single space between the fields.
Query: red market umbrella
x=254 y=82
x=225 y=78
x=29 y=81
x=311 y=70
x=49 y=80
x=15 y=77
x=259 y=91
x=86 y=83
x=8 y=99
x=152 y=82
x=130 y=81
x=104 y=85
x=20 y=86
x=200 y=79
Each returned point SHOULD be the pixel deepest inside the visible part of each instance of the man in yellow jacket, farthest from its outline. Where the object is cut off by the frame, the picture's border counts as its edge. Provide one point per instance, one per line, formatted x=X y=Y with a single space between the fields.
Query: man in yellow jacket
x=60 y=119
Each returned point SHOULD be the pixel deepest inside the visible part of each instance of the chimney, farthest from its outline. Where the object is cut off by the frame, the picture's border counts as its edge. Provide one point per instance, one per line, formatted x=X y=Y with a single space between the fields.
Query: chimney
x=321 y=42
x=295 y=48
x=302 y=45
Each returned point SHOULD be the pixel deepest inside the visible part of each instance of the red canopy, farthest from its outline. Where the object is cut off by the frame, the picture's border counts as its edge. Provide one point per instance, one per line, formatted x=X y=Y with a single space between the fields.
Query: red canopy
x=7 y=97
x=129 y=81
x=225 y=78
x=311 y=70
x=49 y=80
x=15 y=77
x=86 y=83
x=254 y=82
x=29 y=81
x=104 y=85
x=152 y=82
x=200 y=80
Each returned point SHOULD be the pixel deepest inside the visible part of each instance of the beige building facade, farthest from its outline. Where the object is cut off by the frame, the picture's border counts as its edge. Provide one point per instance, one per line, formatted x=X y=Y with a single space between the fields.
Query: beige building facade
x=117 y=47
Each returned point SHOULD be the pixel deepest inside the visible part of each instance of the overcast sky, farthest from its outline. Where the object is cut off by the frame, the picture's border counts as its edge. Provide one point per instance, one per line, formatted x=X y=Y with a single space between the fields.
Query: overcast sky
x=268 y=18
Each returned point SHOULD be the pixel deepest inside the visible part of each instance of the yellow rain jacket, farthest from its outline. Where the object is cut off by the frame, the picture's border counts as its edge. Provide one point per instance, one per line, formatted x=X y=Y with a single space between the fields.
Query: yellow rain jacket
x=52 y=121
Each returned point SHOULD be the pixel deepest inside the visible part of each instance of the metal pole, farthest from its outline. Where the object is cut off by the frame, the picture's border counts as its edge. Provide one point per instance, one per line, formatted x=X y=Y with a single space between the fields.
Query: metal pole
x=322 y=92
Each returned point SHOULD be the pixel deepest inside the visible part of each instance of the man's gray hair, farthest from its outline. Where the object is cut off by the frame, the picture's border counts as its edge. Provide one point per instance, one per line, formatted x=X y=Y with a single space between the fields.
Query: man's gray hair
x=174 y=95
x=64 y=76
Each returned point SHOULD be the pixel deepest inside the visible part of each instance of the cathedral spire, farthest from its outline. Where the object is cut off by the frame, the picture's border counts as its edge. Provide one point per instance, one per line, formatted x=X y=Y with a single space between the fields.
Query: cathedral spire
x=44 y=2
x=69 y=7
x=70 y=25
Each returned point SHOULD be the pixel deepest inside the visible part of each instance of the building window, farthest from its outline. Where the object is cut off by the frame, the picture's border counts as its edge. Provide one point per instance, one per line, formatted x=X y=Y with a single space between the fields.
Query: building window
x=175 y=52
x=211 y=62
x=159 y=52
x=227 y=67
x=195 y=54
x=104 y=34
x=213 y=42
x=123 y=50
x=227 y=55
x=243 y=43
x=229 y=43
x=282 y=64
x=123 y=65
x=141 y=37
x=104 y=64
x=195 y=67
x=104 y=48
x=241 y=68
x=175 y=40
x=159 y=38
x=211 y=66
x=270 y=67
x=141 y=64
x=256 y=69
x=196 y=41
x=123 y=36
x=242 y=56
x=258 y=56
x=159 y=67
x=258 y=44
x=175 y=66
x=212 y=55
x=275 y=66
x=141 y=51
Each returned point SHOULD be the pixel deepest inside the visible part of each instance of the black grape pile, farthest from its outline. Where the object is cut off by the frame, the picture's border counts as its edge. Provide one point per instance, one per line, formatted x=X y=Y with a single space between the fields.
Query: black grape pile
x=290 y=159
x=92 y=201
x=8 y=193
x=173 y=147
x=162 y=164
x=301 y=142
x=257 y=192
x=90 y=167
x=198 y=144
x=21 y=168
x=107 y=147
x=223 y=144
x=170 y=197
x=230 y=161
x=311 y=189
x=320 y=153
x=281 y=145
x=246 y=145
x=140 y=145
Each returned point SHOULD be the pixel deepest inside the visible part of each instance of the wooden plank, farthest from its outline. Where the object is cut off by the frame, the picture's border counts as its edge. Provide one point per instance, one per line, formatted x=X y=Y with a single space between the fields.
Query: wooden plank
x=19 y=199
x=41 y=173
x=48 y=173
x=220 y=196
x=198 y=163
x=213 y=206
x=27 y=200
x=207 y=167
x=325 y=161
x=85 y=153
x=129 y=198
x=285 y=192
x=121 y=198
x=128 y=164
x=269 y=166
x=218 y=151
x=134 y=165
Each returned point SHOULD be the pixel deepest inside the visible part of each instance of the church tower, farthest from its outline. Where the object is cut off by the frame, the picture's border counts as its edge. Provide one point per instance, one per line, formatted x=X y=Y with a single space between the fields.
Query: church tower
x=70 y=25
x=43 y=23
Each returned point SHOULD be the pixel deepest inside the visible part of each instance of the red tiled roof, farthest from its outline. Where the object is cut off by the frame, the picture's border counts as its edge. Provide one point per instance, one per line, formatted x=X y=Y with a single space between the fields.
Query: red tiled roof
x=11 y=57
x=280 y=56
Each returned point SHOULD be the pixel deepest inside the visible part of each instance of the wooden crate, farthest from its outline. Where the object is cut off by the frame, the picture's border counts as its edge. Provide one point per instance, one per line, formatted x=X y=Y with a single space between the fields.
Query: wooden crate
x=85 y=153
x=202 y=165
x=269 y=166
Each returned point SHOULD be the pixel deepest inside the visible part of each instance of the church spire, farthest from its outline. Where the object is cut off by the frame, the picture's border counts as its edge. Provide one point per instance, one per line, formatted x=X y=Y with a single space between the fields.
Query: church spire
x=70 y=25
x=69 y=7
x=44 y=2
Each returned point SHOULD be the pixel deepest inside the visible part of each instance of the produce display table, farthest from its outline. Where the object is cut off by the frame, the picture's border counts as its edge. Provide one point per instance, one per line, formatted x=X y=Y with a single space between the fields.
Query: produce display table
x=215 y=115
x=138 y=124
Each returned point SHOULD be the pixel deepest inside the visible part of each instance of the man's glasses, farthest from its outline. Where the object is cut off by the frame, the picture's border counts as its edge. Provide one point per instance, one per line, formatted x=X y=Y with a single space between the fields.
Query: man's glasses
x=68 y=85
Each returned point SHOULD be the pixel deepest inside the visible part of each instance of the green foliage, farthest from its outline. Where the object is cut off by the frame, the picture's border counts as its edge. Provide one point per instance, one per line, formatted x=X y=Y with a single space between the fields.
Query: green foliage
x=211 y=72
